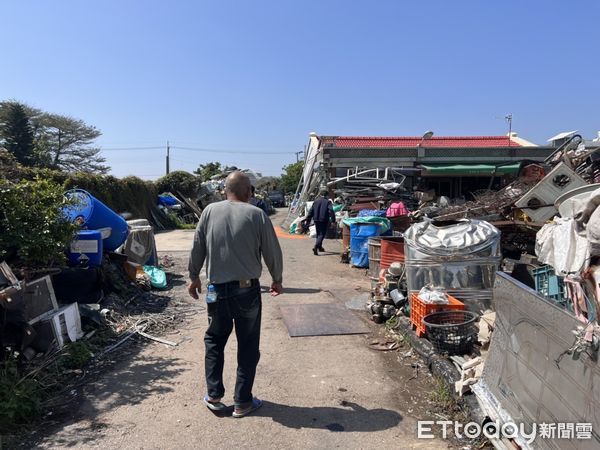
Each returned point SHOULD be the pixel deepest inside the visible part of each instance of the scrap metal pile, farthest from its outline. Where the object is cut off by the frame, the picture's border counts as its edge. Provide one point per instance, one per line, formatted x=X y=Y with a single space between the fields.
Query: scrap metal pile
x=487 y=205
x=497 y=281
x=372 y=188
x=438 y=269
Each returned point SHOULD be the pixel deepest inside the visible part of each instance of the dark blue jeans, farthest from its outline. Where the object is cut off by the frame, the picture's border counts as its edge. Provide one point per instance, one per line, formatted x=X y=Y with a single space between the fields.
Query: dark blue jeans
x=321 y=228
x=241 y=307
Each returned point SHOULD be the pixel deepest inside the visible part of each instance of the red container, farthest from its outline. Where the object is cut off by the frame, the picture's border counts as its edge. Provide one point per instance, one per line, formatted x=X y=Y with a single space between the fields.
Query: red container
x=419 y=309
x=392 y=250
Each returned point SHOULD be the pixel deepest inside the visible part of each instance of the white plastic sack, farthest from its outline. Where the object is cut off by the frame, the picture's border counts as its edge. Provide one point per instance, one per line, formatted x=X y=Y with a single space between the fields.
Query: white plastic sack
x=312 y=231
x=559 y=245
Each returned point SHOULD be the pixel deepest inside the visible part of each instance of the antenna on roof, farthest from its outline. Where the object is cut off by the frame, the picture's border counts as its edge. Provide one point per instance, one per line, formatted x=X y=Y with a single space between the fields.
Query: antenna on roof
x=508 y=118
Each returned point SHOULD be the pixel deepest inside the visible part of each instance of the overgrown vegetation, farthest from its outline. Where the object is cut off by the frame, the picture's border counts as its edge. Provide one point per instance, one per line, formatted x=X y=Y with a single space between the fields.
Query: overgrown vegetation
x=26 y=391
x=20 y=398
x=33 y=230
x=179 y=181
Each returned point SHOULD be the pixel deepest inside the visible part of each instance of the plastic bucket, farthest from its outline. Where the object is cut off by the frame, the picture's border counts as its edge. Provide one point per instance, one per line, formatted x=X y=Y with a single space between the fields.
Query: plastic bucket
x=86 y=249
x=392 y=250
x=359 y=242
x=95 y=215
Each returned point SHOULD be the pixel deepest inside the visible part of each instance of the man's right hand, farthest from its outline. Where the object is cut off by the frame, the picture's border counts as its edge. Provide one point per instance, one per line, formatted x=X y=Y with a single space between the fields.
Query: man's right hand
x=276 y=289
x=195 y=288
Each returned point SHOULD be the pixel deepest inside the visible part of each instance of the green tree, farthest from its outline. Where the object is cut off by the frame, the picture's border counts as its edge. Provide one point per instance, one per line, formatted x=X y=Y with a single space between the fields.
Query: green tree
x=269 y=184
x=179 y=181
x=208 y=170
x=291 y=177
x=66 y=143
x=16 y=133
x=55 y=141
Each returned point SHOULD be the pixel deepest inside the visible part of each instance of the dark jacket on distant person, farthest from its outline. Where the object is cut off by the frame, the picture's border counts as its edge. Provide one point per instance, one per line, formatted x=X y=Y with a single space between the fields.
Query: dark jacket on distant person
x=322 y=211
x=259 y=204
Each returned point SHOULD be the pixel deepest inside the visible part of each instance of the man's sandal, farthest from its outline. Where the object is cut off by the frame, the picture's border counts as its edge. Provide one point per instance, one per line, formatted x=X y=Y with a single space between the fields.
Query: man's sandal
x=252 y=406
x=214 y=405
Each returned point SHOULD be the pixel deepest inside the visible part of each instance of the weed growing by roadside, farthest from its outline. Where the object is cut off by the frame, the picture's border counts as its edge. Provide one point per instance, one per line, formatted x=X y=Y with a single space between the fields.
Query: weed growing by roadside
x=20 y=398
x=78 y=355
x=442 y=396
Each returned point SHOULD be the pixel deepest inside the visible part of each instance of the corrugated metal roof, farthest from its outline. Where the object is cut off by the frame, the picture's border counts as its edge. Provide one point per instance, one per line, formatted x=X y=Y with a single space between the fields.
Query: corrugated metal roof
x=409 y=141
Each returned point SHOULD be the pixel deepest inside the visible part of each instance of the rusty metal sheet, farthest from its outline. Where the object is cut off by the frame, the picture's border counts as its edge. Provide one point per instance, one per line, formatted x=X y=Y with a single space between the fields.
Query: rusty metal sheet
x=320 y=319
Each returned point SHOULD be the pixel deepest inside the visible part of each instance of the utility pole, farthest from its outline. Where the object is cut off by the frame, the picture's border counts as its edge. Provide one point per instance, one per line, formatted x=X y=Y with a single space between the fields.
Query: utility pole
x=168 y=151
x=298 y=153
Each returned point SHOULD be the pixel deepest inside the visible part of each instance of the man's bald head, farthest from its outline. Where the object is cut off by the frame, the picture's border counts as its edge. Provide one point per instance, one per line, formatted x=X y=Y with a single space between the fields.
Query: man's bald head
x=238 y=186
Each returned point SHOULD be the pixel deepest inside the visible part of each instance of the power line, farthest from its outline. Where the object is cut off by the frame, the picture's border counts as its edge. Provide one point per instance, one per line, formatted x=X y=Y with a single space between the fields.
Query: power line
x=111 y=149
x=203 y=144
x=198 y=149
x=213 y=150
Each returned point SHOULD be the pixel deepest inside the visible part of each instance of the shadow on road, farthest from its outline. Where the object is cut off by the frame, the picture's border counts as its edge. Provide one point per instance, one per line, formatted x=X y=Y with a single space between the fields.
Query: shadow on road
x=130 y=382
x=350 y=417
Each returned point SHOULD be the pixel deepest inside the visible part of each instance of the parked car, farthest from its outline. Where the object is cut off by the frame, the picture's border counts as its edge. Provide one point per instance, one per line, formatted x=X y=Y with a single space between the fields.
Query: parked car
x=277 y=198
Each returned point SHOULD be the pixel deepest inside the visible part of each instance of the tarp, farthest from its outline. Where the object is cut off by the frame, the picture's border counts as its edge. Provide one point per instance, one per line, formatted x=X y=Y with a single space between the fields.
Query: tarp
x=384 y=223
x=469 y=169
x=559 y=245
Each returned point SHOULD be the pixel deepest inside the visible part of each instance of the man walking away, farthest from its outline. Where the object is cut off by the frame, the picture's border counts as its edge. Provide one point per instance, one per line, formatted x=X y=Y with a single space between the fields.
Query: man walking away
x=255 y=201
x=321 y=213
x=231 y=236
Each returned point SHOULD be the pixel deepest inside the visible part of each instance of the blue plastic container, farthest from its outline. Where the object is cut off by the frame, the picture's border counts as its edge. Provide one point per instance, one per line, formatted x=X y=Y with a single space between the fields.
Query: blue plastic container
x=359 y=242
x=86 y=249
x=92 y=214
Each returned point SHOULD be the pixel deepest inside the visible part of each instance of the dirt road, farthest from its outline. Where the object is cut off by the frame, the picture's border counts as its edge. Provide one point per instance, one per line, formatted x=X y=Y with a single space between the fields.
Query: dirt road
x=319 y=392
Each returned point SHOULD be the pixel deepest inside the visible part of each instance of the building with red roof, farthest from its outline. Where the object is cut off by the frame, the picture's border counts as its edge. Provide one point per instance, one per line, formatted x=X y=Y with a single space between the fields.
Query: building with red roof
x=451 y=165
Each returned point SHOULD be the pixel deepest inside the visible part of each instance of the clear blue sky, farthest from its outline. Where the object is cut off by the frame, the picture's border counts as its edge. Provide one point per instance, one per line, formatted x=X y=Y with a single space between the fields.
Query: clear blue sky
x=254 y=76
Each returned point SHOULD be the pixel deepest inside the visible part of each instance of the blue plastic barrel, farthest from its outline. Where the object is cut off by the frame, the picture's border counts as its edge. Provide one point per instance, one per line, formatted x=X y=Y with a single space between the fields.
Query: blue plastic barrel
x=359 y=242
x=86 y=249
x=92 y=214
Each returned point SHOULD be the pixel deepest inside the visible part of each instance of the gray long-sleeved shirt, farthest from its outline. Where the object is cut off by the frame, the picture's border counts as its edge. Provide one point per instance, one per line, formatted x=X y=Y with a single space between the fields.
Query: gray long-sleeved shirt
x=231 y=237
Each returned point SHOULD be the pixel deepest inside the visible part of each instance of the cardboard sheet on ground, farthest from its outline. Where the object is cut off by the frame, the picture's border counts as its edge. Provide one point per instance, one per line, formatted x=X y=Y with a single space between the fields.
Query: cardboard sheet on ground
x=321 y=319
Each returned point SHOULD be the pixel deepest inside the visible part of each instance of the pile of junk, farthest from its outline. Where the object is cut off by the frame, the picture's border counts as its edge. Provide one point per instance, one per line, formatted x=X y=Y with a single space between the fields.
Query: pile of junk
x=41 y=313
x=505 y=288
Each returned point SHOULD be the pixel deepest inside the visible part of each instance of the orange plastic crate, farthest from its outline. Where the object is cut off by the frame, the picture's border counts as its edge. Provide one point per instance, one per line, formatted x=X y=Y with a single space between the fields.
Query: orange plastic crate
x=418 y=310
